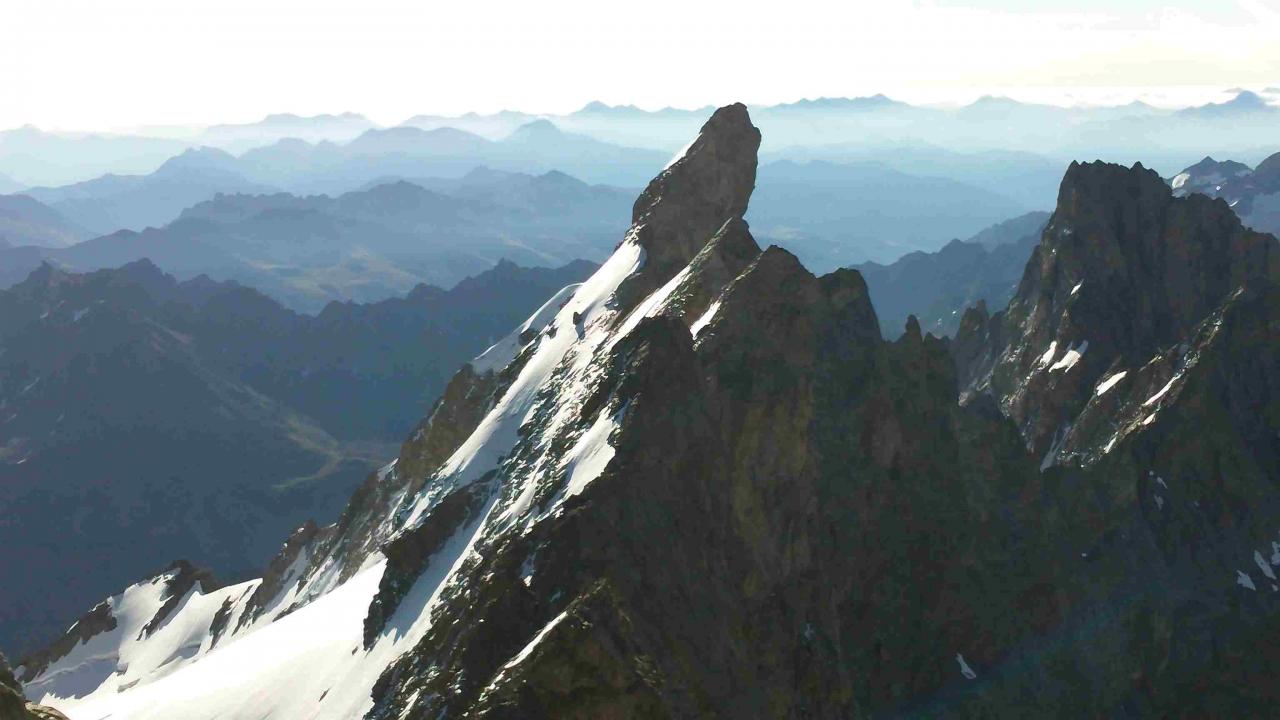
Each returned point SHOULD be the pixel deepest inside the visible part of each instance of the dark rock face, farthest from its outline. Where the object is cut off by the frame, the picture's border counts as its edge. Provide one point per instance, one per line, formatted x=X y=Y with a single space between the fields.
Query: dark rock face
x=800 y=520
x=1159 y=441
x=685 y=204
x=13 y=706
x=758 y=544
x=186 y=577
x=1123 y=269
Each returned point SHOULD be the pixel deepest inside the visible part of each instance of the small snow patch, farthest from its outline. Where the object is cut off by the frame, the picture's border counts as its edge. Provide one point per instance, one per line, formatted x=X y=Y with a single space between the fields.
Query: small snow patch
x=705 y=320
x=1047 y=357
x=1156 y=398
x=1071 y=357
x=965 y=670
x=1243 y=580
x=1110 y=382
x=1261 y=562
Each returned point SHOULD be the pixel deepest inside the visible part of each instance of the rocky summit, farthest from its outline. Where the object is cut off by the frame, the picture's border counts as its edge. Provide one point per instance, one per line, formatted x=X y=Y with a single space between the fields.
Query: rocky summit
x=701 y=484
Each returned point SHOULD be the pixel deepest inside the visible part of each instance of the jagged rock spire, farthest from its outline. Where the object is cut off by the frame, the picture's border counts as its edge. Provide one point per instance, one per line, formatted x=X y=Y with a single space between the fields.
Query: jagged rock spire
x=706 y=184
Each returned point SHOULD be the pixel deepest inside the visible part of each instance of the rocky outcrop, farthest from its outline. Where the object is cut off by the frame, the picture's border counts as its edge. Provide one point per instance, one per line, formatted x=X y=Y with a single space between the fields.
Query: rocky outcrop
x=1254 y=194
x=13 y=706
x=96 y=621
x=1123 y=270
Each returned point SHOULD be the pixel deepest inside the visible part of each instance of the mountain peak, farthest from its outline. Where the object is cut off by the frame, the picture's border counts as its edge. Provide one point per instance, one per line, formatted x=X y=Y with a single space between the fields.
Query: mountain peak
x=705 y=185
x=537 y=130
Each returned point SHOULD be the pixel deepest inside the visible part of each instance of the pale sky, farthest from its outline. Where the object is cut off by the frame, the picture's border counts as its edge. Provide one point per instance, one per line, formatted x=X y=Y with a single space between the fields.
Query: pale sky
x=95 y=65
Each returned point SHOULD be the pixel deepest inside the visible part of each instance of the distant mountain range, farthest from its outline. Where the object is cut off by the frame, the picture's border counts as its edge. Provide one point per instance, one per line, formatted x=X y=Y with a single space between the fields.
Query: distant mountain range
x=536 y=148
x=143 y=418
x=938 y=287
x=316 y=128
x=27 y=221
x=832 y=214
x=198 y=214
x=365 y=245
x=135 y=202
x=1160 y=137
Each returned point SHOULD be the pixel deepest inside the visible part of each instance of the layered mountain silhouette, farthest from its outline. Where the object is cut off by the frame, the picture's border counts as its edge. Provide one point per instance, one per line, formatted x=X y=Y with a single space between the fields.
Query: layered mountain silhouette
x=701 y=484
x=33 y=157
x=25 y=221
x=135 y=202
x=366 y=245
x=537 y=147
x=141 y=417
x=938 y=287
x=833 y=214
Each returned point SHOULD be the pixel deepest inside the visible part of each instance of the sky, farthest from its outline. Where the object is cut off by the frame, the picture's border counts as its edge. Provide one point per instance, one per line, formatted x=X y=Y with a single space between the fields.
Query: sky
x=98 y=65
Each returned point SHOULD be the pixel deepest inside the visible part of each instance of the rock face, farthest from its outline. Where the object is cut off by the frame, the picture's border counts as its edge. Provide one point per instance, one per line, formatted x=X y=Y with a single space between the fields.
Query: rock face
x=13 y=706
x=1124 y=269
x=1139 y=362
x=1254 y=194
x=701 y=485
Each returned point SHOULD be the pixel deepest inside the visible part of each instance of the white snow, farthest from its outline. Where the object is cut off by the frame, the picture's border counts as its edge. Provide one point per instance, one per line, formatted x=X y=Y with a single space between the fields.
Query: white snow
x=1262 y=564
x=124 y=657
x=1180 y=179
x=1109 y=383
x=965 y=670
x=1156 y=398
x=310 y=663
x=528 y=649
x=1047 y=357
x=497 y=432
x=1243 y=580
x=77 y=314
x=592 y=453
x=705 y=320
x=1071 y=357
x=1076 y=289
x=501 y=353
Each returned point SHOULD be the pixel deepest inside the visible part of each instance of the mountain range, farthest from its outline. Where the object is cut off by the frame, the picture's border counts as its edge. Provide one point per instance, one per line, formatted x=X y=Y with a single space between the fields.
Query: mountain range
x=142 y=417
x=365 y=245
x=938 y=287
x=702 y=484
x=857 y=127
x=199 y=215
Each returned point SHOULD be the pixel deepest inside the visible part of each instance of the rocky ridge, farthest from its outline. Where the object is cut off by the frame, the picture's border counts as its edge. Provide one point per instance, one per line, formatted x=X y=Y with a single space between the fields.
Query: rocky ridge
x=701 y=484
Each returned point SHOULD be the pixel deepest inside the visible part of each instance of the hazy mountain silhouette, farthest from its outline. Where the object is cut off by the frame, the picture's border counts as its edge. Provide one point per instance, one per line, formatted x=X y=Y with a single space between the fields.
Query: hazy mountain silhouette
x=365 y=245
x=27 y=221
x=833 y=214
x=134 y=202
x=938 y=287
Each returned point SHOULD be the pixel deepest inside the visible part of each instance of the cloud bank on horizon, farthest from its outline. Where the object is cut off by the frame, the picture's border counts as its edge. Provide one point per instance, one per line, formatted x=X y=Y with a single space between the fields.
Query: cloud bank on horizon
x=155 y=62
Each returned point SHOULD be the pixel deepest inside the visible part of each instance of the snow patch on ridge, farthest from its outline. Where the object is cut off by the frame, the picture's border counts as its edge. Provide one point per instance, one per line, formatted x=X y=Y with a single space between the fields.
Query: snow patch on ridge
x=1109 y=383
x=501 y=353
x=705 y=320
x=1071 y=357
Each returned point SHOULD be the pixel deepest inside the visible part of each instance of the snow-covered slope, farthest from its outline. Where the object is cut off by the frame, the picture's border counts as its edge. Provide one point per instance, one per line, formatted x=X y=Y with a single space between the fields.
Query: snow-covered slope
x=302 y=641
